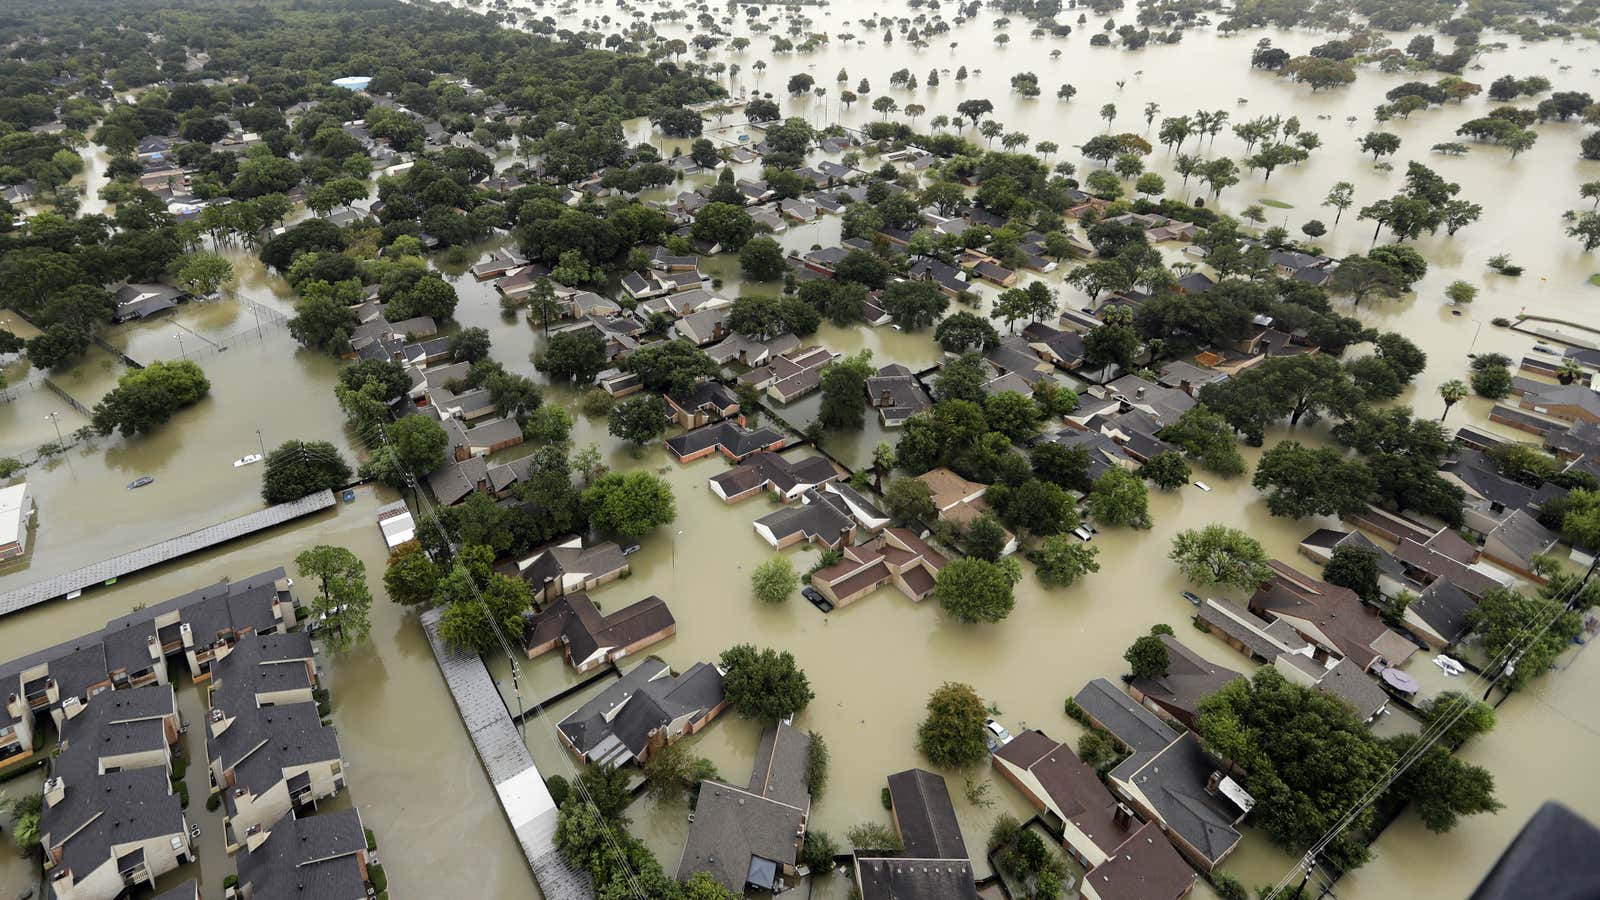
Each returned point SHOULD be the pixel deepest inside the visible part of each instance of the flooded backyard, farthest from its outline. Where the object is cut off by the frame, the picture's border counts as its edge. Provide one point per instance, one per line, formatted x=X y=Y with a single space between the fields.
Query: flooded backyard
x=413 y=773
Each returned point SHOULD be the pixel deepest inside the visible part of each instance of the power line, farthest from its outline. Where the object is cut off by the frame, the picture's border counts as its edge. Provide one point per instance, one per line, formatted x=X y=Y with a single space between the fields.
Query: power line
x=1502 y=664
x=431 y=512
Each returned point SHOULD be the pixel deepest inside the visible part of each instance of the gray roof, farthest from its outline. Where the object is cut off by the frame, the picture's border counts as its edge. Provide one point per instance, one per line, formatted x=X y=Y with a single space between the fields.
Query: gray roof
x=312 y=858
x=733 y=440
x=649 y=696
x=1130 y=723
x=1347 y=682
x=925 y=815
x=910 y=879
x=741 y=836
x=820 y=516
x=1174 y=782
x=1444 y=607
x=1189 y=678
x=766 y=468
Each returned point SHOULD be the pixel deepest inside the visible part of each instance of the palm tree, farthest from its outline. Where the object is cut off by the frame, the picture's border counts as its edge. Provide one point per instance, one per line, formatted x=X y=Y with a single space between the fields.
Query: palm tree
x=1452 y=392
x=1569 y=371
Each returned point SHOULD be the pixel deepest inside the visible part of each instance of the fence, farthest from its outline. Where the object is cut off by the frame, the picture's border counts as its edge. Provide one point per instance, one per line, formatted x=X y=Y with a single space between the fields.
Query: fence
x=61 y=392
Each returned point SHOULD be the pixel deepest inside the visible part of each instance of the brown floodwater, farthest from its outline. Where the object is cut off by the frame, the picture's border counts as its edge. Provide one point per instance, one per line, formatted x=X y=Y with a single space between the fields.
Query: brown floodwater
x=873 y=663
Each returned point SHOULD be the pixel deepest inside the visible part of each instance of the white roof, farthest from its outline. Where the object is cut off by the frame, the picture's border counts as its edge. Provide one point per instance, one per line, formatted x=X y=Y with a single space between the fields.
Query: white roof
x=397 y=529
x=15 y=507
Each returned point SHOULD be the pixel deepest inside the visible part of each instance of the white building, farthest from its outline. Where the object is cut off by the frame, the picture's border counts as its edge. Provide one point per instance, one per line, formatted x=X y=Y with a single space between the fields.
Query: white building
x=16 y=508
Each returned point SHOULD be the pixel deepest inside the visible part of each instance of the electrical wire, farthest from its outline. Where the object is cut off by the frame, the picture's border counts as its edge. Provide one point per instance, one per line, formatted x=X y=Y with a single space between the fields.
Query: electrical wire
x=431 y=512
x=1506 y=658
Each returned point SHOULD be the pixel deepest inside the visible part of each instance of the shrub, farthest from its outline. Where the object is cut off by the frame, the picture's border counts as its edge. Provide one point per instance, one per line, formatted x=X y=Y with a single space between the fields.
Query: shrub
x=596 y=403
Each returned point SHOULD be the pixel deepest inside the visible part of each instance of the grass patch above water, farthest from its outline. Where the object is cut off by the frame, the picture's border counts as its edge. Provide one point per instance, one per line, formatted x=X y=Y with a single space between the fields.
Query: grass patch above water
x=1277 y=204
x=1595 y=279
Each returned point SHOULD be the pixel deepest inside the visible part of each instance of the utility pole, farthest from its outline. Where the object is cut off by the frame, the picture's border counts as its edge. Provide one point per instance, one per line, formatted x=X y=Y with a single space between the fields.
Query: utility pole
x=181 y=351
x=55 y=419
x=261 y=443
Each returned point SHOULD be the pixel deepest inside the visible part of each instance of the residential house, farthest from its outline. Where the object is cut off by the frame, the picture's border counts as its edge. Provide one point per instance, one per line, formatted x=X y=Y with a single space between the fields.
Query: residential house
x=706 y=402
x=766 y=471
x=1564 y=402
x=644 y=710
x=788 y=377
x=897 y=395
x=1183 y=790
x=1438 y=615
x=1331 y=617
x=1122 y=856
x=268 y=750
x=588 y=639
x=895 y=556
x=747 y=351
x=823 y=517
x=1446 y=556
x=958 y=500
x=750 y=837
x=111 y=821
x=566 y=565
x=730 y=439
x=1516 y=541
x=704 y=327
x=933 y=861
x=1062 y=349
x=1342 y=679
x=141 y=301
x=1189 y=679
x=323 y=856
x=16 y=512
x=1246 y=632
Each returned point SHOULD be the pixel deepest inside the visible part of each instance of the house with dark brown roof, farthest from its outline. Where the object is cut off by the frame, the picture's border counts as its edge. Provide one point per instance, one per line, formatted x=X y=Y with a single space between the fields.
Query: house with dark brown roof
x=588 y=639
x=896 y=395
x=1342 y=680
x=896 y=556
x=643 y=711
x=706 y=402
x=1189 y=679
x=1123 y=857
x=1331 y=617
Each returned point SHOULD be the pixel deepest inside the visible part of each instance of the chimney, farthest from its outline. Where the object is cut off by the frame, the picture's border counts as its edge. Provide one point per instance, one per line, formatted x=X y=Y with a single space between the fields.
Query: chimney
x=15 y=706
x=55 y=790
x=1213 y=782
x=153 y=644
x=72 y=707
x=1139 y=394
x=1122 y=817
x=187 y=633
x=255 y=836
x=1186 y=387
x=885 y=397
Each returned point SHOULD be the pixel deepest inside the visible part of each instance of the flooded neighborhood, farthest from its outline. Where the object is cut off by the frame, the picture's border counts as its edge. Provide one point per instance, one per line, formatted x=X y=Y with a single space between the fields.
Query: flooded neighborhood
x=880 y=449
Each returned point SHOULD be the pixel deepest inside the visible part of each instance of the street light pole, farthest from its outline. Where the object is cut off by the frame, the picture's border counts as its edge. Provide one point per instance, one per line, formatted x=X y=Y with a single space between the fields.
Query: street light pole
x=181 y=351
x=55 y=420
x=261 y=443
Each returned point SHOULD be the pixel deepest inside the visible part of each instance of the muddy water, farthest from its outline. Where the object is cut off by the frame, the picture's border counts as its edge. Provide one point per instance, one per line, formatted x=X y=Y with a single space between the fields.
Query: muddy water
x=904 y=651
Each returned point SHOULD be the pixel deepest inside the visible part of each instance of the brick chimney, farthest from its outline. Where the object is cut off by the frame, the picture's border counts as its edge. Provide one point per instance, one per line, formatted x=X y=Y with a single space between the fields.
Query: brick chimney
x=1122 y=817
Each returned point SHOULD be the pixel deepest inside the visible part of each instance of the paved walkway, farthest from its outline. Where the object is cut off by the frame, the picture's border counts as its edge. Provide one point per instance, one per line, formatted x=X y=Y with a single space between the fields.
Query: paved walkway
x=523 y=797
x=166 y=551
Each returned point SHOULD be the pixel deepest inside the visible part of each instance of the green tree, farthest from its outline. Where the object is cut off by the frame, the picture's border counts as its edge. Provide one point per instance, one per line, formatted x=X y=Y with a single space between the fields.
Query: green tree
x=298 y=468
x=1060 y=561
x=1217 y=554
x=340 y=610
x=844 y=385
x=145 y=398
x=1120 y=498
x=963 y=331
x=761 y=259
x=629 y=503
x=1205 y=438
x=774 y=580
x=952 y=734
x=910 y=501
x=1166 y=470
x=1147 y=657
x=1467 y=717
x=764 y=684
x=639 y=420
x=411 y=576
x=725 y=224
x=671 y=366
x=974 y=590
x=1304 y=481
x=1355 y=568
x=573 y=356
x=480 y=607
x=419 y=444
x=1440 y=787
x=204 y=272
x=1493 y=382
x=1500 y=620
